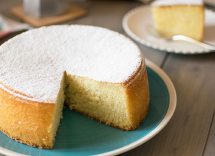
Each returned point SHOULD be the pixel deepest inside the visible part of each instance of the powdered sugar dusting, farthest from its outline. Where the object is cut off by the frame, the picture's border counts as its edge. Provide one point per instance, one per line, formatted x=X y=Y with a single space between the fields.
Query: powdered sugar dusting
x=177 y=2
x=34 y=62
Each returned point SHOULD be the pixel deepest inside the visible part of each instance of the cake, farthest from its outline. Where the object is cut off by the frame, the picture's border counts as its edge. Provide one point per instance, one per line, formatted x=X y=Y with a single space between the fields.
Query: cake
x=174 y=17
x=94 y=71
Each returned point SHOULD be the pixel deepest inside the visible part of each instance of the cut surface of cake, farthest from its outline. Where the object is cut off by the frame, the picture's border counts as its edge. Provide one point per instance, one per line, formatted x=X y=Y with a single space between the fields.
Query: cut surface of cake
x=95 y=71
x=179 y=17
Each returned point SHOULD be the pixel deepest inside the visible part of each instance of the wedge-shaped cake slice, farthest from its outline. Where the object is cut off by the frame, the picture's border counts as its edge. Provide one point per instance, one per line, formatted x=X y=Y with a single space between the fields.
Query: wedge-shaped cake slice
x=174 y=17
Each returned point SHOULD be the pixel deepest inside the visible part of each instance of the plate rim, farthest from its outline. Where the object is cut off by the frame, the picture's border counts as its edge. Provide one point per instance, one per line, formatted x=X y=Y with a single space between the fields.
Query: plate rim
x=135 y=37
x=159 y=127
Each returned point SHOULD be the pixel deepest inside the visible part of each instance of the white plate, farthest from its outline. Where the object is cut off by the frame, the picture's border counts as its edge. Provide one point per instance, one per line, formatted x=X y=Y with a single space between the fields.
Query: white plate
x=136 y=22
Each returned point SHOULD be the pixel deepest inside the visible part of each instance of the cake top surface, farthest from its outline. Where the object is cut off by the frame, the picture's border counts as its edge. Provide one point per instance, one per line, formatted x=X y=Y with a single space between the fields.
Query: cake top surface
x=177 y=2
x=33 y=62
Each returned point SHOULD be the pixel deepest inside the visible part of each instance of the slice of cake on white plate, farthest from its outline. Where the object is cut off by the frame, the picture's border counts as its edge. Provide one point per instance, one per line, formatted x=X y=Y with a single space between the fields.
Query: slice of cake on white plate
x=174 y=17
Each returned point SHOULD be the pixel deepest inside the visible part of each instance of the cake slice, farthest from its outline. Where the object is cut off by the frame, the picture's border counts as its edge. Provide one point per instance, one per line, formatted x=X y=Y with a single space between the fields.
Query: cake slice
x=174 y=17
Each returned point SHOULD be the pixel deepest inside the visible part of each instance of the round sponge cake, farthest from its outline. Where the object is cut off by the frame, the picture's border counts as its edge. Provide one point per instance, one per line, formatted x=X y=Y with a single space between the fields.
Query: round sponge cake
x=95 y=71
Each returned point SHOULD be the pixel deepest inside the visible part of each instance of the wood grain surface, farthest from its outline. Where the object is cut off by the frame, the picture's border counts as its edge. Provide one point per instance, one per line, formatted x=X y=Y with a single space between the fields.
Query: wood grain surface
x=191 y=132
x=209 y=148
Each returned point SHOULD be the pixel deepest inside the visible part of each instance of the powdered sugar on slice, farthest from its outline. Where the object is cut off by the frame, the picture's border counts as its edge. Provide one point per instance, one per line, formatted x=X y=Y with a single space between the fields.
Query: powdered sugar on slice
x=177 y=2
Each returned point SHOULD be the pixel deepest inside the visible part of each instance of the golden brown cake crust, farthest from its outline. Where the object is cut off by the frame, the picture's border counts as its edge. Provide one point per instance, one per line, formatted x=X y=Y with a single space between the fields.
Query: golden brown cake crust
x=26 y=121
x=138 y=97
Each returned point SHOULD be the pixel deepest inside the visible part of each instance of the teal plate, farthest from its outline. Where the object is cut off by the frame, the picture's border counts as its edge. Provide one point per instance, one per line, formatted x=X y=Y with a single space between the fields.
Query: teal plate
x=79 y=135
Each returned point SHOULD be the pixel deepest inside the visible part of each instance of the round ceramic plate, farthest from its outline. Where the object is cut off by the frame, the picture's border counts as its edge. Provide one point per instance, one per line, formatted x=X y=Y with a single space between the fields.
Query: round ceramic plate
x=79 y=135
x=138 y=21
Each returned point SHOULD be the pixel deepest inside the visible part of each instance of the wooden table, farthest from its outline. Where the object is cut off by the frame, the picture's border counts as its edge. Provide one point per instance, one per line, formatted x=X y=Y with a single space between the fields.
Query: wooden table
x=191 y=131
